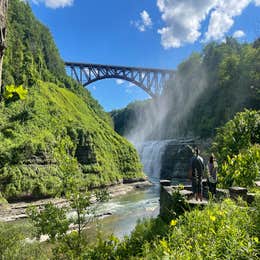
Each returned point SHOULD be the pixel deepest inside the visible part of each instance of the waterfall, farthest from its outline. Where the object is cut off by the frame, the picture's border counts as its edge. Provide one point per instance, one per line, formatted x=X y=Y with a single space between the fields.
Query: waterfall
x=151 y=156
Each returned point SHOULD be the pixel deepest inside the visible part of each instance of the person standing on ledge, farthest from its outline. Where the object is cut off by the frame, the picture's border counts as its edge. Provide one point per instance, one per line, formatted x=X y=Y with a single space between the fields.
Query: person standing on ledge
x=212 y=174
x=196 y=172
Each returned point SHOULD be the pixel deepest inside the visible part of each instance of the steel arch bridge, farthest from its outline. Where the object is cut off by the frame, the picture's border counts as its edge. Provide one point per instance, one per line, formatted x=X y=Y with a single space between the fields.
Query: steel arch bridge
x=152 y=81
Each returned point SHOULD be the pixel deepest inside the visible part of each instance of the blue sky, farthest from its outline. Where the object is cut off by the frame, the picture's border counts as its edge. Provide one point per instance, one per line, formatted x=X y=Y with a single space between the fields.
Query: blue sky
x=149 y=33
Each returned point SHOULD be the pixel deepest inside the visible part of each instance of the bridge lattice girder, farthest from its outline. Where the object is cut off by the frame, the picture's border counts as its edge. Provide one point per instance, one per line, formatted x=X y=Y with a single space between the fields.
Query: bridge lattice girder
x=150 y=80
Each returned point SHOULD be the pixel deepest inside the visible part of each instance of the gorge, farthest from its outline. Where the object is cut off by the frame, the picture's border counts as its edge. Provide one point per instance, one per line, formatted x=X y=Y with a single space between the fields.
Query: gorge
x=63 y=153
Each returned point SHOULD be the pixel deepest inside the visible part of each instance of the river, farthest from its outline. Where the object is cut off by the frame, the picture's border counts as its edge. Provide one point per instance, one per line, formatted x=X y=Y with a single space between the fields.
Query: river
x=127 y=209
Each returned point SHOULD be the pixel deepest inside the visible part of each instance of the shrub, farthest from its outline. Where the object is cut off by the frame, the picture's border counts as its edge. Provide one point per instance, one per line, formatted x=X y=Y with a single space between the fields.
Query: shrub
x=13 y=243
x=13 y=93
x=236 y=146
x=54 y=222
x=239 y=133
x=221 y=231
x=243 y=169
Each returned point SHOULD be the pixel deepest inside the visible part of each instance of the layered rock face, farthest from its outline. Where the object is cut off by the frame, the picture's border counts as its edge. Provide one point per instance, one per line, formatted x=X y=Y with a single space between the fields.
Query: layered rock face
x=176 y=159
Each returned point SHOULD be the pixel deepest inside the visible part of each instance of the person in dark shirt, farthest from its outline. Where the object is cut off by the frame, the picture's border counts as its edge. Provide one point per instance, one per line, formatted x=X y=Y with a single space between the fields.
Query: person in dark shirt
x=197 y=169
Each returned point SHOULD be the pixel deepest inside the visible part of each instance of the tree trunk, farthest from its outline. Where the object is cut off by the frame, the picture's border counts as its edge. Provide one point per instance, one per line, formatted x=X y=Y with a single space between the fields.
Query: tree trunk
x=1 y=70
x=3 y=26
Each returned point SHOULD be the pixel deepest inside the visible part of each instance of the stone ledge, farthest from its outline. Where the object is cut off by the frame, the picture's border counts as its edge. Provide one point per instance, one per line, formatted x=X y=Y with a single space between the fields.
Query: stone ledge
x=186 y=193
x=165 y=182
x=222 y=193
x=250 y=197
x=236 y=192
x=257 y=183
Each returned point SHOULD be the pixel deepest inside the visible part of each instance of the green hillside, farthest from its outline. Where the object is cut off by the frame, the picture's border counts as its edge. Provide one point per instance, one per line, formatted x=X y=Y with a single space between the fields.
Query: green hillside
x=59 y=133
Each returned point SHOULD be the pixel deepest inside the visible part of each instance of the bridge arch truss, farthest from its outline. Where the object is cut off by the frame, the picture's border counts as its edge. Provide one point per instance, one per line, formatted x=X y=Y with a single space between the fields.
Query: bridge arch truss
x=152 y=81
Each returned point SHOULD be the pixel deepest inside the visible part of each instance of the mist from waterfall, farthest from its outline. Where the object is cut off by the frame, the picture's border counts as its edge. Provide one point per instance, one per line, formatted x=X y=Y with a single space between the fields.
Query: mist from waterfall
x=159 y=120
x=164 y=117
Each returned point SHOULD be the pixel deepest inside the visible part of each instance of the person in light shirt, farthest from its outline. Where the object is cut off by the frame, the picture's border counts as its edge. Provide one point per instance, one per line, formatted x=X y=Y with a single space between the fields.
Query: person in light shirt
x=212 y=174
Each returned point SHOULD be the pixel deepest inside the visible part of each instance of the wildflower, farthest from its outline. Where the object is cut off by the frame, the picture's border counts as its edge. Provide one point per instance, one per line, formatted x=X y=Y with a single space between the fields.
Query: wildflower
x=173 y=223
x=221 y=213
x=212 y=218
x=163 y=243
x=165 y=247
x=181 y=187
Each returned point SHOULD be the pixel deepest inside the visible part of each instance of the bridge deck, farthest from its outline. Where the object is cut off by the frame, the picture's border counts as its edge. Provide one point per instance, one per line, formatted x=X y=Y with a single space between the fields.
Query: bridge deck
x=82 y=64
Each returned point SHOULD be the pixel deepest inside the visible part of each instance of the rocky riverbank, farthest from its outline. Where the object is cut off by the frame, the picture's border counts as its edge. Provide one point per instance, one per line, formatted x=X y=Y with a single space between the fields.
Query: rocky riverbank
x=15 y=211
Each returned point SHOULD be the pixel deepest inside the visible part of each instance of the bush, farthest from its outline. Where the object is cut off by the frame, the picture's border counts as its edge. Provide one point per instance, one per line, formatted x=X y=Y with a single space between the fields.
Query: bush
x=236 y=146
x=239 y=133
x=54 y=222
x=221 y=231
x=13 y=93
x=13 y=243
x=243 y=169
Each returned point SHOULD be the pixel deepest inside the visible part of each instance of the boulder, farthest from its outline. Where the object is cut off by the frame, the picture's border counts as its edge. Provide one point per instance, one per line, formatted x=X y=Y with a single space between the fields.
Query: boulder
x=176 y=159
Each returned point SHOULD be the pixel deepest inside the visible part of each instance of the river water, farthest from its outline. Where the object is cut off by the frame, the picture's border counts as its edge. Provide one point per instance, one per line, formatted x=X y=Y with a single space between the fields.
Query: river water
x=127 y=209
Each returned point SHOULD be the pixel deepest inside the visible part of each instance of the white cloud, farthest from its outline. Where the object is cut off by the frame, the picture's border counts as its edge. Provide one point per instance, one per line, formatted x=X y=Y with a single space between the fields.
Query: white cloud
x=147 y=21
x=130 y=84
x=144 y=23
x=183 y=19
x=238 y=34
x=130 y=88
x=54 y=3
x=257 y=2
x=119 y=81
x=222 y=18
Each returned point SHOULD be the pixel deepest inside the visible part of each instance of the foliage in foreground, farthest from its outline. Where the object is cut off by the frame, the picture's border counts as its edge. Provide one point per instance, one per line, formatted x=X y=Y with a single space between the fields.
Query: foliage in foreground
x=237 y=147
x=54 y=222
x=220 y=231
x=237 y=134
x=242 y=169
x=14 y=243
x=227 y=230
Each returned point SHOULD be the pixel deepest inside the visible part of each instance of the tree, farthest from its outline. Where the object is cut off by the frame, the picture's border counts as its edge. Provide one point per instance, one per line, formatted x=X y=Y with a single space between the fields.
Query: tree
x=54 y=221
x=3 y=25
